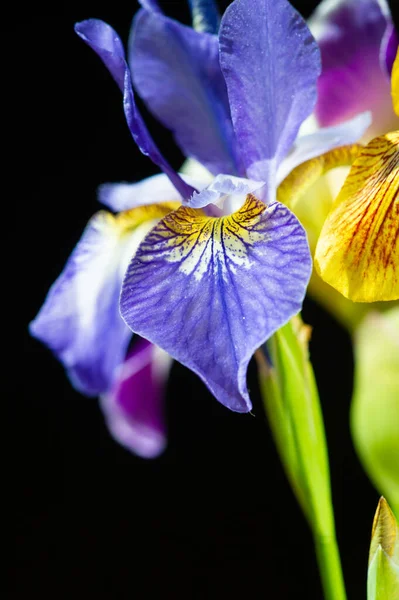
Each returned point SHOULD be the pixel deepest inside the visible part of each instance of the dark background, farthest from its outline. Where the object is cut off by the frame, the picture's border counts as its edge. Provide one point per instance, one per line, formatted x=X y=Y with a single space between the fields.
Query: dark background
x=212 y=518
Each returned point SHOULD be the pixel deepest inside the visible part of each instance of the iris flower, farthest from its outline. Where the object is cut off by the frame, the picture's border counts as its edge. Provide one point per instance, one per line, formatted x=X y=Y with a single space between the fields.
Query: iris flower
x=358 y=249
x=206 y=270
x=355 y=238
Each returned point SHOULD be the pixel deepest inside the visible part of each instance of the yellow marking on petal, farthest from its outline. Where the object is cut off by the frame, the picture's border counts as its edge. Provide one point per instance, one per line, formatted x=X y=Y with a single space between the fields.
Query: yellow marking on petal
x=358 y=248
x=395 y=84
x=130 y=219
x=197 y=241
x=297 y=183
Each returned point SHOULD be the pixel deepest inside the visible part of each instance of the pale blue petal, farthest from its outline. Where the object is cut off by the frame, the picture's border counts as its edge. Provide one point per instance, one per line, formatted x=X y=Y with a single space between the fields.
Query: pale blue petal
x=80 y=320
x=152 y=190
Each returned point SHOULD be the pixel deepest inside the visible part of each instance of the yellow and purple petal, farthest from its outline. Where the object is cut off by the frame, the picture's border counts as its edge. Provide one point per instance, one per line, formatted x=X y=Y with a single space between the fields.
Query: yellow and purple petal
x=108 y=46
x=358 y=248
x=270 y=62
x=134 y=406
x=80 y=320
x=210 y=291
x=177 y=73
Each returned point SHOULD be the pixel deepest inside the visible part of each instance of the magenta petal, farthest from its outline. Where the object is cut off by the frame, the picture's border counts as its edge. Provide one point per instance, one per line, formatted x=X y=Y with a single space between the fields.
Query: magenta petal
x=134 y=407
x=389 y=49
x=352 y=81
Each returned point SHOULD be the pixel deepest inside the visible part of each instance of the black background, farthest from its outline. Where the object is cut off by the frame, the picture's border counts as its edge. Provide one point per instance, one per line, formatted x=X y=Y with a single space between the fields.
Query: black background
x=212 y=518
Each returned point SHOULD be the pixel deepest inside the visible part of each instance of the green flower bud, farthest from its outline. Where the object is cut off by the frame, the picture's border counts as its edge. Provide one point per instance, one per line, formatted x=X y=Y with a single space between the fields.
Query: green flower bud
x=383 y=571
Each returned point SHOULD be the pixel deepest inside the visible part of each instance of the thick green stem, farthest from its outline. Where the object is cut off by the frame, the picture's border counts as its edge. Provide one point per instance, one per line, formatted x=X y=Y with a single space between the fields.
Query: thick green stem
x=292 y=404
x=330 y=567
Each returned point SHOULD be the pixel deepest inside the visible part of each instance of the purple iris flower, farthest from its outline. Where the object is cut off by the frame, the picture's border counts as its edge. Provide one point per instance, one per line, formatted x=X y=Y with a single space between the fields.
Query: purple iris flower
x=210 y=281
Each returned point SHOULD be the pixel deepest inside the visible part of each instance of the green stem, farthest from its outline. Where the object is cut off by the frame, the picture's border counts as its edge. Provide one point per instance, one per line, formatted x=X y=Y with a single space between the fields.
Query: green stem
x=292 y=404
x=330 y=567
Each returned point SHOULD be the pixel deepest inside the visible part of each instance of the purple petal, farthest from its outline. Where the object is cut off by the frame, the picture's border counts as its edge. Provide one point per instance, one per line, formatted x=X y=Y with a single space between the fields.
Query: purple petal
x=107 y=44
x=271 y=63
x=134 y=406
x=151 y=5
x=177 y=73
x=211 y=291
x=153 y=190
x=324 y=140
x=349 y=33
x=389 y=49
x=80 y=320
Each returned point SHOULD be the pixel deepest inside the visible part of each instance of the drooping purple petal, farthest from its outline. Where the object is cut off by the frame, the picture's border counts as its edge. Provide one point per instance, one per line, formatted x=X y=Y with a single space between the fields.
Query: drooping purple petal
x=152 y=190
x=205 y=15
x=349 y=33
x=177 y=73
x=134 y=406
x=107 y=44
x=389 y=49
x=323 y=140
x=80 y=320
x=271 y=63
x=211 y=291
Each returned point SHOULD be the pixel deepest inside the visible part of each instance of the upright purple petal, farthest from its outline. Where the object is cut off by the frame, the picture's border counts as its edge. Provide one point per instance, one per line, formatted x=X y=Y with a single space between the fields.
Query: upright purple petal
x=134 y=406
x=107 y=44
x=270 y=62
x=80 y=320
x=349 y=33
x=177 y=73
x=210 y=291
x=151 y=5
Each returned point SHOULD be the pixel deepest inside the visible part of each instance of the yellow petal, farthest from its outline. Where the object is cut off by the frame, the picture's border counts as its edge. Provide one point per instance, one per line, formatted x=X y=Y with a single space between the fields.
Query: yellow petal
x=358 y=248
x=293 y=188
x=395 y=84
